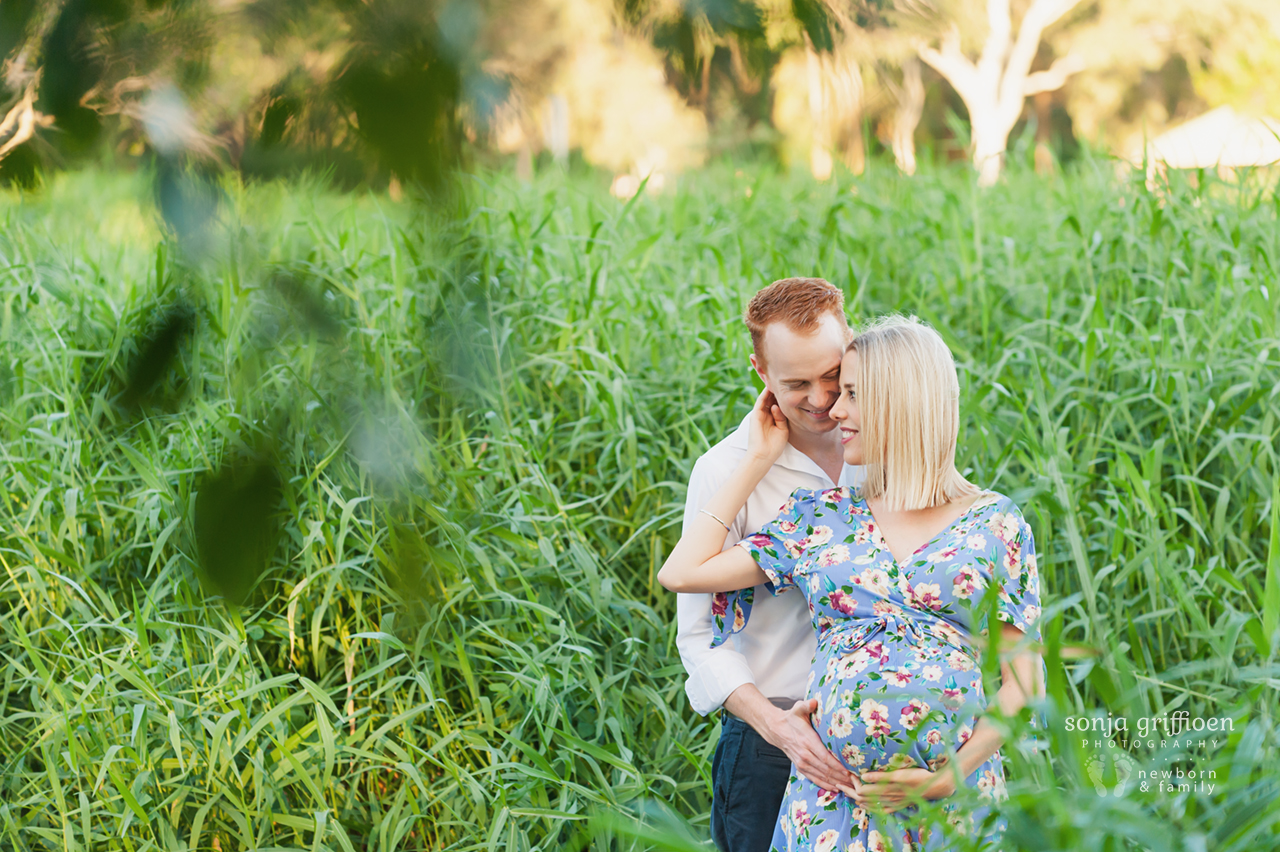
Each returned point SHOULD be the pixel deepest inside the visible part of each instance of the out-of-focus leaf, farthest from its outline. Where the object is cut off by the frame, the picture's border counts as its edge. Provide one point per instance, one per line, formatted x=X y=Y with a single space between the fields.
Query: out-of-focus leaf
x=404 y=86
x=816 y=19
x=156 y=352
x=187 y=196
x=729 y=15
x=307 y=304
x=237 y=525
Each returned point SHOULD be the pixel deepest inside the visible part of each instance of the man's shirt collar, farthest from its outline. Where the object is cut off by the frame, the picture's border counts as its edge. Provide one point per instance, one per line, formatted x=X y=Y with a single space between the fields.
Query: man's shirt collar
x=791 y=458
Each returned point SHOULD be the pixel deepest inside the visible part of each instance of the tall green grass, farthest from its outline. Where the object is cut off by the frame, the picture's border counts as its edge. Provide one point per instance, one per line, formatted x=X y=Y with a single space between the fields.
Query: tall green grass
x=460 y=643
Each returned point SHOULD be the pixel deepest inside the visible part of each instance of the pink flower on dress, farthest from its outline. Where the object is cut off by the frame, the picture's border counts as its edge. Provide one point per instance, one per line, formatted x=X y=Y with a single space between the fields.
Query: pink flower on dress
x=934 y=737
x=952 y=697
x=942 y=555
x=913 y=714
x=1013 y=560
x=852 y=755
x=787 y=526
x=964 y=733
x=966 y=582
x=841 y=602
x=800 y=815
x=876 y=718
x=886 y=608
x=928 y=596
x=825 y=797
x=719 y=604
x=898 y=677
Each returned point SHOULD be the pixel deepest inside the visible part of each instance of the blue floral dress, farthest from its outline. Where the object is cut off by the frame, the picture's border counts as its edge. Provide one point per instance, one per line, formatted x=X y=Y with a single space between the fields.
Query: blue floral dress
x=897 y=681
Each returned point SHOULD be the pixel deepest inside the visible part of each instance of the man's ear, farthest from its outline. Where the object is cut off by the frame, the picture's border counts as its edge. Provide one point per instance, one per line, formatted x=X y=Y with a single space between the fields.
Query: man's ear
x=758 y=367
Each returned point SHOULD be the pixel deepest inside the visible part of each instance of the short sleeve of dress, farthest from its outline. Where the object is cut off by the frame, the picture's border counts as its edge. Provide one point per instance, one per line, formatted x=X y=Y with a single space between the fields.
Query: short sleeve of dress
x=1016 y=573
x=777 y=547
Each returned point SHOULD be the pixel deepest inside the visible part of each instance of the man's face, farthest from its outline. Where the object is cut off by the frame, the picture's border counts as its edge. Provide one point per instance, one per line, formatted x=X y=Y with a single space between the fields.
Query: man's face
x=803 y=371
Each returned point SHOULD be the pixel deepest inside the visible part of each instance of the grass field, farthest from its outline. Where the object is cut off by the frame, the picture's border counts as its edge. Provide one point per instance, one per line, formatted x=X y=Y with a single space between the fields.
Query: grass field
x=480 y=431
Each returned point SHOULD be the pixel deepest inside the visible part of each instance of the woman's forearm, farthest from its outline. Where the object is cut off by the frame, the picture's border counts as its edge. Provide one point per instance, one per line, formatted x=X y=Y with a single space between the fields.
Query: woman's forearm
x=1010 y=698
x=703 y=539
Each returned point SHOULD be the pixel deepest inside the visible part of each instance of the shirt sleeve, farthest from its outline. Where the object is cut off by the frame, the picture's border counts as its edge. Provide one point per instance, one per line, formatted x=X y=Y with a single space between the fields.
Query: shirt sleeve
x=776 y=548
x=1016 y=573
x=713 y=672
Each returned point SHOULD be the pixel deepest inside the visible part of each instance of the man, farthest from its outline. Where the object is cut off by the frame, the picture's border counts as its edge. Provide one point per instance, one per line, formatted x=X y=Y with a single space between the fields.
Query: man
x=759 y=679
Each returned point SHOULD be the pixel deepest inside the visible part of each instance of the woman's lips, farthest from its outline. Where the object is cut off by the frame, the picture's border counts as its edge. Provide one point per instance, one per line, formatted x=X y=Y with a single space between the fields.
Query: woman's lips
x=847 y=435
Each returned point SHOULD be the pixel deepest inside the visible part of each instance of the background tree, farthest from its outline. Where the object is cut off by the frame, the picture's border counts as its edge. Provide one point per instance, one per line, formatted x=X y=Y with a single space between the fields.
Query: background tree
x=994 y=85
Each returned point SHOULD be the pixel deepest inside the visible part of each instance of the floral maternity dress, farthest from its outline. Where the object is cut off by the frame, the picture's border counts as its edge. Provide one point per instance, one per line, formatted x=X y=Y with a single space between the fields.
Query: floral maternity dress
x=897 y=682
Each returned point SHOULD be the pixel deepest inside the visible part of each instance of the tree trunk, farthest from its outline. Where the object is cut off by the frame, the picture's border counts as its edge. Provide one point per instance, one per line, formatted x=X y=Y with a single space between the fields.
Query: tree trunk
x=820 y=148
x=906 y=117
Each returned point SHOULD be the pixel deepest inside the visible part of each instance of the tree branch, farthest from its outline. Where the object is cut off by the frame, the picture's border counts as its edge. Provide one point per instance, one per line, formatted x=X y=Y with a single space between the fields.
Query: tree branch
x=1038 y=18
x=21 y=119
x=1055 y=77
x=952 y=64
x=996 y=47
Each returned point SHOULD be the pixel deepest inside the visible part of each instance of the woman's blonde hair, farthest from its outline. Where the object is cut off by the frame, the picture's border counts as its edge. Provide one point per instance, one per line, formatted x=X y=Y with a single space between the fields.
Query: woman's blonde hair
x=909 y=400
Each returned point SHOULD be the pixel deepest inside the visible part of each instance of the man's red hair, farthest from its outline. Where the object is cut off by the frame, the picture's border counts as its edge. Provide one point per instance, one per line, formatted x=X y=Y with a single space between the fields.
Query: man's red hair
x=798 y=303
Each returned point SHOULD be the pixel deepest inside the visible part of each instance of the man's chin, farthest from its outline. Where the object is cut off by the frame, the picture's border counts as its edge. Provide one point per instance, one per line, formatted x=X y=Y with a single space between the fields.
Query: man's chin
x=817 y=425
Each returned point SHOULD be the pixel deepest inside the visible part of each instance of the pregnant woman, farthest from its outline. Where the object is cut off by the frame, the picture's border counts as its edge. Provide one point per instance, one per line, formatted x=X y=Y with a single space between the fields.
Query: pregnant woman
x=901 y=577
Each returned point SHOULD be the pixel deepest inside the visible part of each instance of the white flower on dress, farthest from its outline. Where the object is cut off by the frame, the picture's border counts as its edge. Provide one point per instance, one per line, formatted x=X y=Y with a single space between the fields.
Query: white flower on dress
x=959 y=661
x=833 y=555
x=852 y=755
x=874 y=580
x=826 y=841
x=854 y=664
x=876 y=842
x=820 y=536
x=1030 y=614
x=932 y=673
x=976 y=542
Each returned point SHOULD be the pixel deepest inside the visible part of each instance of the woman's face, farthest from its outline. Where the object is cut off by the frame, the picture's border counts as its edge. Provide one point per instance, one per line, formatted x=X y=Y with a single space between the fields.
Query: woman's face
x=845 y=411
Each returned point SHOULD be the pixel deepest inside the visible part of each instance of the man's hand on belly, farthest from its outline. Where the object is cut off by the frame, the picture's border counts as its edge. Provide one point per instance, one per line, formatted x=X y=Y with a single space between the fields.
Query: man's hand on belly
x=791 y=731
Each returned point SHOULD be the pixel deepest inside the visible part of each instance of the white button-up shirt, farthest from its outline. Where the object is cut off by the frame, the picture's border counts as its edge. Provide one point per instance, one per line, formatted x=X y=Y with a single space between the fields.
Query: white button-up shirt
x=776 y=646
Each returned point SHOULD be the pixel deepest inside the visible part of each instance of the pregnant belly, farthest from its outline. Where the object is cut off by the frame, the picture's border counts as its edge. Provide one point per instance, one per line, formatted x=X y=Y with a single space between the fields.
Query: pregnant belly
x=888 y=705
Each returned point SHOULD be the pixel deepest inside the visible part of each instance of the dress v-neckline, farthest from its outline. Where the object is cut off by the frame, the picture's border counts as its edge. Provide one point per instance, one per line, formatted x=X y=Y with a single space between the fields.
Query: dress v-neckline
x=977 y=503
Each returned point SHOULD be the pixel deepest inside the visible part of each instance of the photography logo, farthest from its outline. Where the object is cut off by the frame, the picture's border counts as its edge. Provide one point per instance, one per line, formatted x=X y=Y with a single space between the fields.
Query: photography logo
x=1121 y=770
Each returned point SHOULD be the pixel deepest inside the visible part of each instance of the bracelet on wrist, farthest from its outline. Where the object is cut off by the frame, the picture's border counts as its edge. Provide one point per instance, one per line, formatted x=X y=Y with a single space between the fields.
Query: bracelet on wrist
x=716 y=519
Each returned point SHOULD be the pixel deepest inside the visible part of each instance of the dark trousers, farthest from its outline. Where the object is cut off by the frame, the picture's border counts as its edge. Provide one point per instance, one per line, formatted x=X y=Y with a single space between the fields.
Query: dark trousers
x=748 y=779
